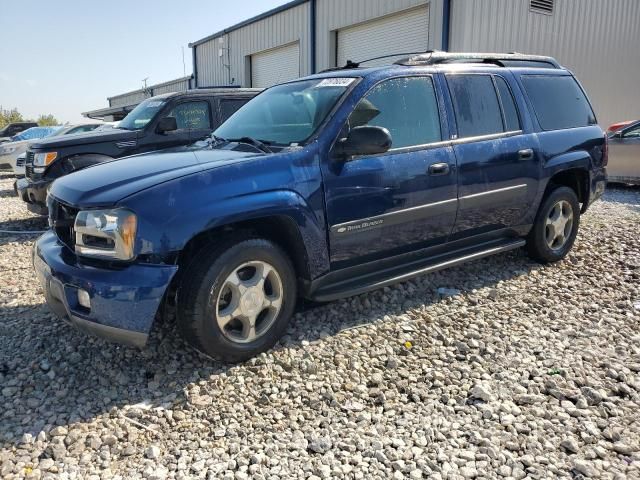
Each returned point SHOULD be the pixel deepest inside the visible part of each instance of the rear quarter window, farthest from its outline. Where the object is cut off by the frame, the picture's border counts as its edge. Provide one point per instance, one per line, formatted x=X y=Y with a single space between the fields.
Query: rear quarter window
x=558 y=102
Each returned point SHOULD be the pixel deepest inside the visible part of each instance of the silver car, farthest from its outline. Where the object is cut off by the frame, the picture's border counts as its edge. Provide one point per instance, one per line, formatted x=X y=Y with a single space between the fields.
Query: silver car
x=624 y=155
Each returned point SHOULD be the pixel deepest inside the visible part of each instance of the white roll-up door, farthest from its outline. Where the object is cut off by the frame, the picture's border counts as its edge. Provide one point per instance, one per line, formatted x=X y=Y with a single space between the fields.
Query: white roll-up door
x=275 y=66
x=400 y=33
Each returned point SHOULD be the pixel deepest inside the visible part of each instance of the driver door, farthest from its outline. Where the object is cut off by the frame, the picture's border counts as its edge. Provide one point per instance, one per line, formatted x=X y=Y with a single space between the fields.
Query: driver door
x=193 y=119
x=401 y=200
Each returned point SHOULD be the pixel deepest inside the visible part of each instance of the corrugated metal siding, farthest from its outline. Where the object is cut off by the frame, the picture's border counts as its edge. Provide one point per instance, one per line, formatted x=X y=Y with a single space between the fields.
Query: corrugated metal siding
x=125 y=99
x=178 y=85
x=333 y=15
x=137 y=96
x=280 y=29
x=597 y=39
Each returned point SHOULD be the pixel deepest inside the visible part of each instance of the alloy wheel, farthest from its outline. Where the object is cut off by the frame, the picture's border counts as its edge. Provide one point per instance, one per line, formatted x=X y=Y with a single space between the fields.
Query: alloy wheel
x=249 y=301
x=558 y=225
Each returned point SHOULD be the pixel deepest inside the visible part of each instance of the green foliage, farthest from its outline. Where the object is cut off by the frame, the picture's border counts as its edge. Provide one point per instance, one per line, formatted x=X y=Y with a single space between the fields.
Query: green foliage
x=47 y=121
x=10 y=116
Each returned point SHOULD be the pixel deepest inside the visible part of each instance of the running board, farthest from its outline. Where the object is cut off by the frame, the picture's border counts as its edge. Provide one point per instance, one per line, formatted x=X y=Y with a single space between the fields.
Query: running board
x=402 y=273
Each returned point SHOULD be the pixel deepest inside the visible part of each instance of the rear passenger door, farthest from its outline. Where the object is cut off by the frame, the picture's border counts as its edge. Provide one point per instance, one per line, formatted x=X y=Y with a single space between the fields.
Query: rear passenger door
x=498 y=163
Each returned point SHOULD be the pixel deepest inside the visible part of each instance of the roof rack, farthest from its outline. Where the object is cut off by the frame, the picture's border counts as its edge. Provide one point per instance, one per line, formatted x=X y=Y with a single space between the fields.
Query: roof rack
x=351 y=64
x=512 y=59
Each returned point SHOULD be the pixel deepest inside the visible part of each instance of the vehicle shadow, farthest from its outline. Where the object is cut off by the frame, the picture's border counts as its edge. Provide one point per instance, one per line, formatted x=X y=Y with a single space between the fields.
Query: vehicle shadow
x=6 y=188
x=51 y=374
x=22 y=230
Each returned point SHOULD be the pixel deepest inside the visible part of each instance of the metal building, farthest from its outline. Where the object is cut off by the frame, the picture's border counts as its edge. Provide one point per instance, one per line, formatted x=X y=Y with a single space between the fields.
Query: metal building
x=120 y=105
x=597 y=39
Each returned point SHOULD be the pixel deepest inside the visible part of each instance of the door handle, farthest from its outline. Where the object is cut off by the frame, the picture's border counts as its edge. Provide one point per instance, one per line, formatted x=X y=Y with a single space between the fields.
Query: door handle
x=439 y=169
x=526 y=154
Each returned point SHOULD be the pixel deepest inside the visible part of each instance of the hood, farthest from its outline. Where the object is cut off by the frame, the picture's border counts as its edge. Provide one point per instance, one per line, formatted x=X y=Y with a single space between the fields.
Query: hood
x=14 y=145
x=114 y=135
x=107 y=183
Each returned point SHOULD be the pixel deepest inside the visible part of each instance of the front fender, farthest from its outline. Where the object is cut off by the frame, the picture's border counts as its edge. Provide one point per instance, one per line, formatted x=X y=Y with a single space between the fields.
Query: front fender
x=165 y=228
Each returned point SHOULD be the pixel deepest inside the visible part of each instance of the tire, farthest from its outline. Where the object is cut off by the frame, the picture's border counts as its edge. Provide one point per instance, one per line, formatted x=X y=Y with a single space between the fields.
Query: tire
x=556 y=226
x=221 y=293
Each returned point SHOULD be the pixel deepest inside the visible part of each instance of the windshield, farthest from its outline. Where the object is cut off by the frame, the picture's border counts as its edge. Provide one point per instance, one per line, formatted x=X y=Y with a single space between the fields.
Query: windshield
x=35 y=133
x=140 y=116
x=286 y=114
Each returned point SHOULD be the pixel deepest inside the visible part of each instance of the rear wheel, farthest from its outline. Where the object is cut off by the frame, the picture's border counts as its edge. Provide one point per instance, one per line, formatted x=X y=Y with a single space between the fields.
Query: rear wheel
x=556 y=226
x=236 y=299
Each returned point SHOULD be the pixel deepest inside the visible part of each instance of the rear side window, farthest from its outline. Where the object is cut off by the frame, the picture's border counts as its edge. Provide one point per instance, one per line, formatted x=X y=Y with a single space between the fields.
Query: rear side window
x=558 y=101
x=476 y=105
x=229 y=106
x=407 y=107
x=511 y=120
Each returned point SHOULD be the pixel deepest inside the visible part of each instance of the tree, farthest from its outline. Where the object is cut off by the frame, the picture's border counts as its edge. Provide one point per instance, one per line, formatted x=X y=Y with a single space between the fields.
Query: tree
x=9 y=116
x=47 y=120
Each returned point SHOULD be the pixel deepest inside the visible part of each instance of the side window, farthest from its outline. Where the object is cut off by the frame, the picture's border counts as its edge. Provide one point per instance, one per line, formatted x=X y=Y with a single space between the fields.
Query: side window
x=509 y=109
x=229 y=106
x=558 y=101
x=407 y=107
x=192 y=115
x=633 y=133
x=475 y=104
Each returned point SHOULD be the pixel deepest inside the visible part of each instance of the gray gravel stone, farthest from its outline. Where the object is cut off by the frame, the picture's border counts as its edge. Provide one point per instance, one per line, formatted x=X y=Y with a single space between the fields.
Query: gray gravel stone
x=517 y=370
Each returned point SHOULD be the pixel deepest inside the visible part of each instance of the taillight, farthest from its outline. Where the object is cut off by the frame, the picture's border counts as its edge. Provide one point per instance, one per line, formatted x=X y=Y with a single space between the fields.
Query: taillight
x=605 y=151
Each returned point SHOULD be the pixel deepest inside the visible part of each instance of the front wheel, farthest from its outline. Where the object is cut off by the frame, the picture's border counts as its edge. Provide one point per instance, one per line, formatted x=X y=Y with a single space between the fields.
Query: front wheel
x=556 y=226
x=237 y=298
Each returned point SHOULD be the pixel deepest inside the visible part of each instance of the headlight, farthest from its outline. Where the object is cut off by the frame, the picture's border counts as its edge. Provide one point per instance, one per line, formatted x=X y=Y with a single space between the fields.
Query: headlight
x=109 y=234
x=7 y=150
x=44 y=159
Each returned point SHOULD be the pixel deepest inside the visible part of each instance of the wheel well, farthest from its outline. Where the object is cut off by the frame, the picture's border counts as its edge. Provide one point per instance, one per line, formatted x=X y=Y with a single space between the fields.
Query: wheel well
x=576 y=178
x=281 y=230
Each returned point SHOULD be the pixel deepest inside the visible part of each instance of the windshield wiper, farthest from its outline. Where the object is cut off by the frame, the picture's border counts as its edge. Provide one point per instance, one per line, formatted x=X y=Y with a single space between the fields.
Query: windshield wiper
x=259 y=144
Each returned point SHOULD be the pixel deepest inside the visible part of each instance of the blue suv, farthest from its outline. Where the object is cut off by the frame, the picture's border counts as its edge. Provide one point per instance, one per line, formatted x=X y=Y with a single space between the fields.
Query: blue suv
x=321 y=188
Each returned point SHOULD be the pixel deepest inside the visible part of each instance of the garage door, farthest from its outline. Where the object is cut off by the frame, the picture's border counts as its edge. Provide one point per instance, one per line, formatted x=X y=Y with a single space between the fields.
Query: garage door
x=404 y=32
x=275 y=66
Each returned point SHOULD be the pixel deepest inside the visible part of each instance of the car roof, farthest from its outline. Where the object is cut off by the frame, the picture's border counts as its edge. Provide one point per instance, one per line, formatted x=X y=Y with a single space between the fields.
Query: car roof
x=436 y=61
x=209 y=92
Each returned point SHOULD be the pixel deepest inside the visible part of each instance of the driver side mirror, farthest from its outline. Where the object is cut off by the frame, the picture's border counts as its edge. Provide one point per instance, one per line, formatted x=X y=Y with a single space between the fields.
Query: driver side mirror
x=365 y=140
x=166 y=124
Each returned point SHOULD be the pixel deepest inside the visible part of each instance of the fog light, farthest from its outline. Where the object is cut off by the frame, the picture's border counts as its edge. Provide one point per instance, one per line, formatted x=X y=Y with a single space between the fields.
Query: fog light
x=83 y=299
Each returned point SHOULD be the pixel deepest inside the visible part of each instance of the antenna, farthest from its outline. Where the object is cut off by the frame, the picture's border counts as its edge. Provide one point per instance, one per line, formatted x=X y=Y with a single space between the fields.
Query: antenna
x=184 y=65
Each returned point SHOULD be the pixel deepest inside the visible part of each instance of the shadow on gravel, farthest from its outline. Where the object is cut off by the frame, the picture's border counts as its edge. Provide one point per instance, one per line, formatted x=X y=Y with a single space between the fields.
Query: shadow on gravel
x=22 y=227
x=51 y=374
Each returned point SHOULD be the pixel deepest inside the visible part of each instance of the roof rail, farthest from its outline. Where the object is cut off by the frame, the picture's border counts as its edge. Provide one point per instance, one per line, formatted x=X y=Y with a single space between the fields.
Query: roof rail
x=512 y=59
x=351 y=64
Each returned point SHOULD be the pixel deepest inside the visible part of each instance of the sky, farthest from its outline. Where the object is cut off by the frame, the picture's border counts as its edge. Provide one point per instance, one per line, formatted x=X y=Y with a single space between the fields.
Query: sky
x=68 y=56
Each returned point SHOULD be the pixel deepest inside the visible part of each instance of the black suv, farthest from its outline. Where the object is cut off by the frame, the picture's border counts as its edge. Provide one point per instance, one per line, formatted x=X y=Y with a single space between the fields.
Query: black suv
x=13 y=129
x=160 y=122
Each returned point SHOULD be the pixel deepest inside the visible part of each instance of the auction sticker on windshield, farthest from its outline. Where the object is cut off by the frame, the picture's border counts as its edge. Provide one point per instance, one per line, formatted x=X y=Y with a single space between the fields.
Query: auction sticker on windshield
x=335 y=82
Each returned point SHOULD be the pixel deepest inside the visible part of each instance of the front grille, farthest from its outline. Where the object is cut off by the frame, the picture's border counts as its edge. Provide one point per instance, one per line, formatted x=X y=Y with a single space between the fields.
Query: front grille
x=28 y=166
x=62 y=219
x=20 y=161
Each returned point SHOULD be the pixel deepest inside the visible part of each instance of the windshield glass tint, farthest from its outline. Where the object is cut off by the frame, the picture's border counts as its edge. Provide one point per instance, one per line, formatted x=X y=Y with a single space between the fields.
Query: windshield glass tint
x=140 y=116
x=286 y=114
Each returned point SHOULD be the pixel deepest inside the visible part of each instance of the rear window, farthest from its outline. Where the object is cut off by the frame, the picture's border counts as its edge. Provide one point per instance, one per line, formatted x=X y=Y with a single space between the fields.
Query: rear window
x=558 y=101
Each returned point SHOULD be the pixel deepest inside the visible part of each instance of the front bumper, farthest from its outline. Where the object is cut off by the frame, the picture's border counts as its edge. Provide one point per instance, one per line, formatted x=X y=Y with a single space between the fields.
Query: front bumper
x=124 y=302
x=34 y=193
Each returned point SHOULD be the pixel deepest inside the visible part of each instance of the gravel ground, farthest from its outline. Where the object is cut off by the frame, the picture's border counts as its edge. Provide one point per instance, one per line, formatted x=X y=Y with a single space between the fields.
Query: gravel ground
x=499 y=368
